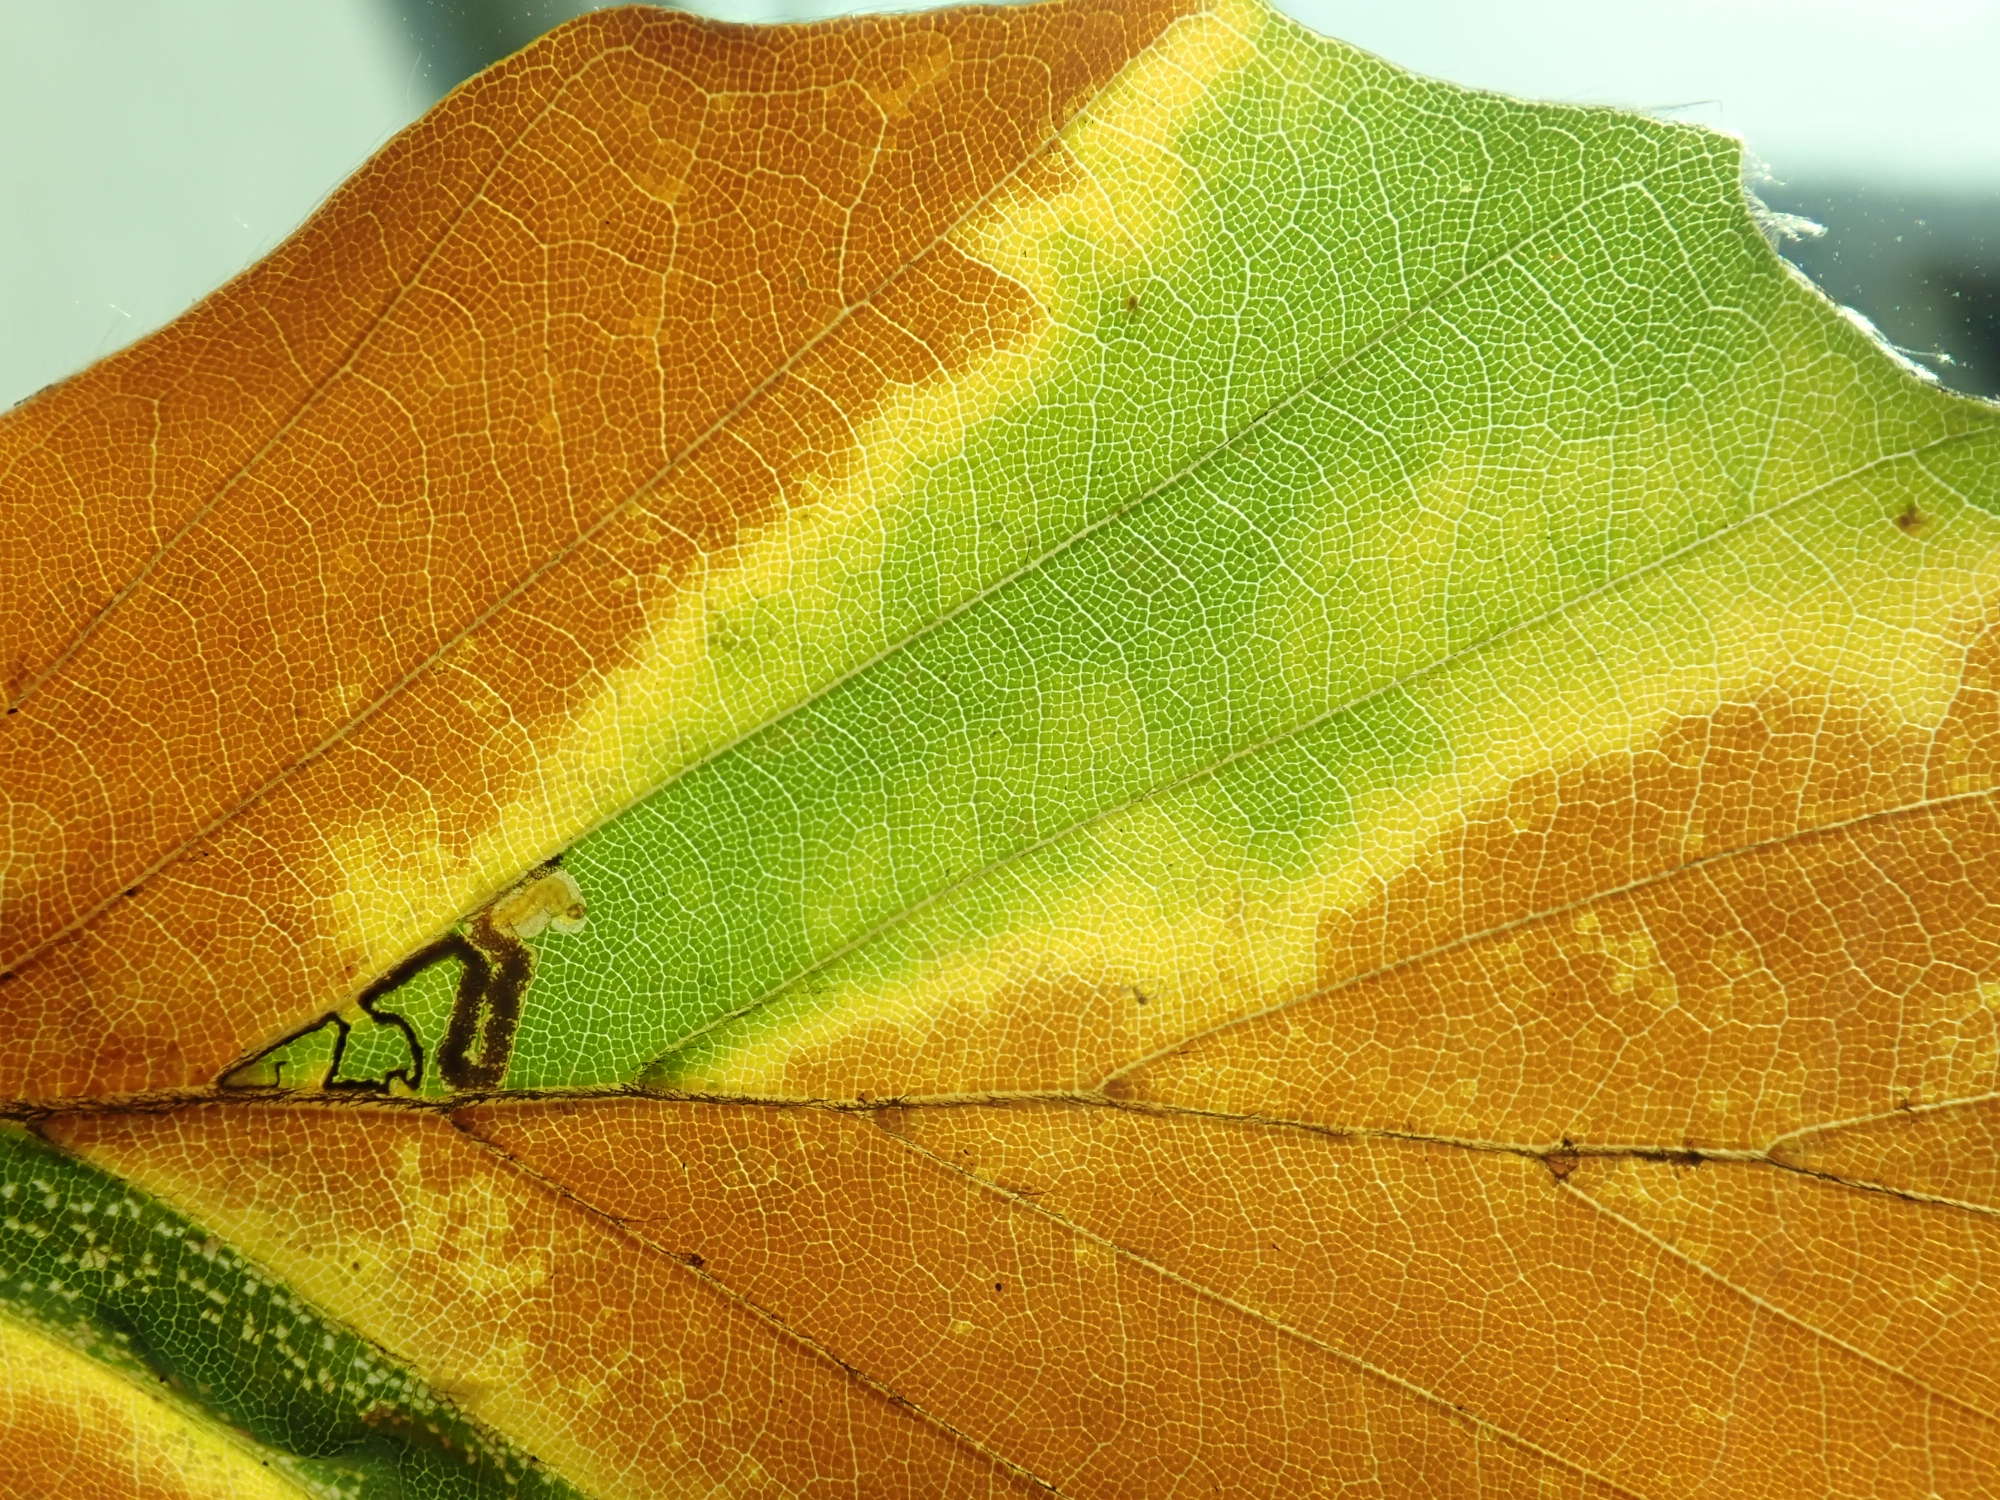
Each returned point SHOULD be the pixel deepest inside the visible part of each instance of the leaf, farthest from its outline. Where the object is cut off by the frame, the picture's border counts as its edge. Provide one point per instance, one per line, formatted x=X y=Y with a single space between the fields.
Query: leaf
x=1268 y=779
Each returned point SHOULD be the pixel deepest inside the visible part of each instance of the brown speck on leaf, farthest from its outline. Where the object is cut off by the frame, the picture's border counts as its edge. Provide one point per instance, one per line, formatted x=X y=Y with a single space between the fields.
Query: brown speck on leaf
x=1910 y=520
x=1562 y=1161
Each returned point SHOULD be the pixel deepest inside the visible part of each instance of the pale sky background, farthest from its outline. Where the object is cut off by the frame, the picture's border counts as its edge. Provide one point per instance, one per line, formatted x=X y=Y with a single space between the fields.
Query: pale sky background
x=157 y=147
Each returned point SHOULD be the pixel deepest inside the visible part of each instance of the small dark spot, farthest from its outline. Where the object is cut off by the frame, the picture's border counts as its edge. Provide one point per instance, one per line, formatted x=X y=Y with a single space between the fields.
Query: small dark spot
x=35 y=395
x=357 y=1265
x=1910 y=520
x=6 y=976
x=1687 y=1157
x=1138 y=996
x=695 y=1258
x=131 y=893
x=1131 y=302
x=1562 y=1161
x=999 y=1286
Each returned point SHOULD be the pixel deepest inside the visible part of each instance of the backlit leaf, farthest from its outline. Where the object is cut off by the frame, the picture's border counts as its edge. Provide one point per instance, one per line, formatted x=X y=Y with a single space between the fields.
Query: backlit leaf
x=1081 y=748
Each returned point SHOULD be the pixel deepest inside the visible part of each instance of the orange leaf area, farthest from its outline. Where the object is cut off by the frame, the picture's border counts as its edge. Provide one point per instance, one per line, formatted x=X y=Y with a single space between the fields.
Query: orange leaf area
x=72 y=1428
x=1717 y=938
x=236 y=626
x=55 y=1440
x=1560 y=1060
x=1110 y=1300
x=1951 y=1152
x=1671 y=952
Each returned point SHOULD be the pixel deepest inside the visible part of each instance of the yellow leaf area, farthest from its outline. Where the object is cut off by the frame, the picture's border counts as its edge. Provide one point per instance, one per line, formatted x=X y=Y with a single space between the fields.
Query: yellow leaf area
x=71 y=1427
x=1534 y=1030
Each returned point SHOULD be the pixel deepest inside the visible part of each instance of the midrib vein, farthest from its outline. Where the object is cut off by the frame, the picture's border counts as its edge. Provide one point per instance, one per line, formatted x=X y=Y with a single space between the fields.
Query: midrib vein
x=1771 y=1156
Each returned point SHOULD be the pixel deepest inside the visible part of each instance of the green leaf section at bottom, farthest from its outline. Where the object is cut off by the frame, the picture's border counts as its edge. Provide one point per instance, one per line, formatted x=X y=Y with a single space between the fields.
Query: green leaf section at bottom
x=121 y=1276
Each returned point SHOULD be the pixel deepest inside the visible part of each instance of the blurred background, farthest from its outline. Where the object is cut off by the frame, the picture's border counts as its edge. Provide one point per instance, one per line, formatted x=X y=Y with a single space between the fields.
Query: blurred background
x=160 y=146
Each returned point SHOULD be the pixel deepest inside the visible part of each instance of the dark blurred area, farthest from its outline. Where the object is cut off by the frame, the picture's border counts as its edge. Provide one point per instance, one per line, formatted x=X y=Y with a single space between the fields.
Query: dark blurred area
x=1924 y=268
x=456 y=38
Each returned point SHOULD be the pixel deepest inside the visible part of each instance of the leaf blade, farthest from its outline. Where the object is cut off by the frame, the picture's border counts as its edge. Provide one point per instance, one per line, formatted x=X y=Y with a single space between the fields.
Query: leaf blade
x=1337 y=830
